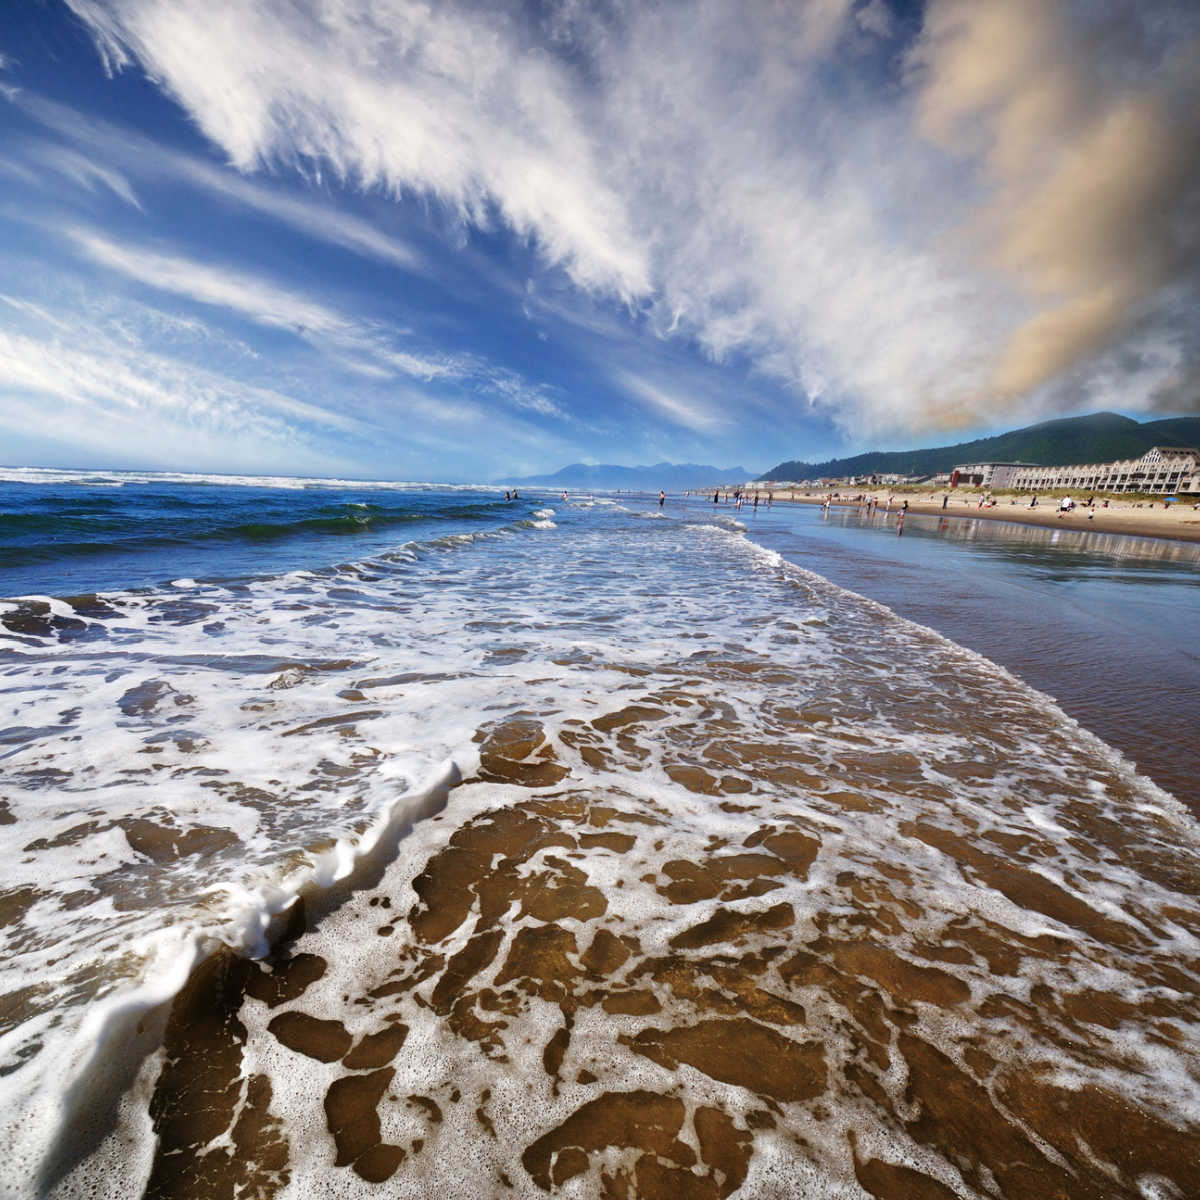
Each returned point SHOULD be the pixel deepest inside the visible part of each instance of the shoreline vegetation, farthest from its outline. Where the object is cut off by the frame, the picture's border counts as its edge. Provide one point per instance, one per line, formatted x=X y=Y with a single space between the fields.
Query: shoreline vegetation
x=1139 y=516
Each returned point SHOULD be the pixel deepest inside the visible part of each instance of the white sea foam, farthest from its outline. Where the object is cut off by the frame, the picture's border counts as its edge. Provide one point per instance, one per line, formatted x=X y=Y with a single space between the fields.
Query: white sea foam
x=271 y=727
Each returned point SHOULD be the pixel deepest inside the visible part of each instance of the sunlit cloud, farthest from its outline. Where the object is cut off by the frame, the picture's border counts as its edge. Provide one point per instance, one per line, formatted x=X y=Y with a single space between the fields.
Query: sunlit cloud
x=602 y=230
x=1087 y=128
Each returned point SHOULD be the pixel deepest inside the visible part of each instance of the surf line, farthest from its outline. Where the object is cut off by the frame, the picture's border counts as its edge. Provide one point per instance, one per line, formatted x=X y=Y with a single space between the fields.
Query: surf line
x=69 y=1121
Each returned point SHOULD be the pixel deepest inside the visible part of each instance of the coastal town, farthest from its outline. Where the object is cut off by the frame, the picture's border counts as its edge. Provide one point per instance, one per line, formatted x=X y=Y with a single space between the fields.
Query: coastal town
x=1155 y=495
x=1161 y=471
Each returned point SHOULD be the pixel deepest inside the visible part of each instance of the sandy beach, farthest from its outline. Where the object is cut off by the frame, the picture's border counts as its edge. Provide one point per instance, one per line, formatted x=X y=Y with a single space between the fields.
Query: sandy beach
x=1177 y=522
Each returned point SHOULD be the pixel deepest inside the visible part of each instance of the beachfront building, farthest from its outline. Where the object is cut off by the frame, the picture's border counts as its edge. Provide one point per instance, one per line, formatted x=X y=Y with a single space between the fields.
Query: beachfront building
x=986 y=474
x=1161 y=471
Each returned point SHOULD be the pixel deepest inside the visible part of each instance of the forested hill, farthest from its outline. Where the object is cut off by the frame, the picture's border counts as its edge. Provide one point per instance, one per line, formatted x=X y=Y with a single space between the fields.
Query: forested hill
x=1100 y=437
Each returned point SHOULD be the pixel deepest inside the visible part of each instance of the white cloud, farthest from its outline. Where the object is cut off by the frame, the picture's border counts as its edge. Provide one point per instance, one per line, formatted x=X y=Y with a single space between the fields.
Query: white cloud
x=121 y=402
x=86 y=172
x=83 y=369
x=688 y=413
x=16 y=170
x=37 y=311
x=142 y=156
x=224 y=287
x=361 y=346
x=903 y=251
x=398 y=95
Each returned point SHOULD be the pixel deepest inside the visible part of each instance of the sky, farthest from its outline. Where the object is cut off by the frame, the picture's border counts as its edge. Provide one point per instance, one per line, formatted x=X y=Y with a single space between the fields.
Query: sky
x=467 y=241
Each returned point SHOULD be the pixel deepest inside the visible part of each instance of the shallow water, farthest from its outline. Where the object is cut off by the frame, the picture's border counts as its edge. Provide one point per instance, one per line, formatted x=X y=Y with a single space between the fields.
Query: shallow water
x=646 y=861
x=1104 y=623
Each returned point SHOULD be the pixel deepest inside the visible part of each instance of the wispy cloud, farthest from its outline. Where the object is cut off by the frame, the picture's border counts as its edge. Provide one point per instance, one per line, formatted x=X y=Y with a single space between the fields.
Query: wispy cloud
x=19 y=171
x=89 y=371
x=362 y=346
x=84 y=171
x=140 y=155
x=129 y=403
x=904 y=250
x=224 y=287
x=29 y=308
x=665 y=404
x=404 y=97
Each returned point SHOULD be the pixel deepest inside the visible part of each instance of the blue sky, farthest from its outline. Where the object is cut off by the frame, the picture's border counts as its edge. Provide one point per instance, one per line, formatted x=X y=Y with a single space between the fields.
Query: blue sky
x=377 y=238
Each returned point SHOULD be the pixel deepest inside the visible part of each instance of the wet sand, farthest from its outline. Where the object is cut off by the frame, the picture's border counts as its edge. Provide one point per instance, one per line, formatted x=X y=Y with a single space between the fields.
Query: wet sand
x=558 y=987
x=1179 y=522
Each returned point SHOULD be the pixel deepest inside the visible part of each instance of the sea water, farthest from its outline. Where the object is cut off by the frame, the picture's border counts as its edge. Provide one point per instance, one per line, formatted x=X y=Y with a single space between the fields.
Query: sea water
x=1106 y=623
x=361 y=835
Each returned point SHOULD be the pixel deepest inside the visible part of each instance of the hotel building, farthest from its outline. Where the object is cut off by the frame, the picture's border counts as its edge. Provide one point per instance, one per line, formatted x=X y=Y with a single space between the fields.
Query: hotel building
x=1161 y=471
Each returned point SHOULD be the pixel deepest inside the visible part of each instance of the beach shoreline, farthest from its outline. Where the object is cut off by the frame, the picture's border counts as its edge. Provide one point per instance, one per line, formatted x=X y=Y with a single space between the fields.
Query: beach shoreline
x=1180 y=522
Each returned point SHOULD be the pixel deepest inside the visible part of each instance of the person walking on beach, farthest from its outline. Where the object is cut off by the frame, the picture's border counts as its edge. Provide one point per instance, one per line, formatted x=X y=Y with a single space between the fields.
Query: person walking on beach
x=945 y=501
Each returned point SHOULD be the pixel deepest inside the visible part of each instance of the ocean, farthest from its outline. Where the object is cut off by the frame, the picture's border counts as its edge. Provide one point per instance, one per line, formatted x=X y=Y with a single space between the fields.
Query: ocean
x=388 y=839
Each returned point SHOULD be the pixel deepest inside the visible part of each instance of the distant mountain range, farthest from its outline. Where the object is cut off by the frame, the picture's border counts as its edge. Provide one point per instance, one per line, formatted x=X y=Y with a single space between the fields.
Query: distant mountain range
x=1100 y=437
x=668 y=476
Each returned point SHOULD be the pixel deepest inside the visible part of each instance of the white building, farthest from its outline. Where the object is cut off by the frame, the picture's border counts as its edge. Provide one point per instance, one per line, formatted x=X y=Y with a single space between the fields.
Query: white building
x=1161 y=471
x=1164 y=470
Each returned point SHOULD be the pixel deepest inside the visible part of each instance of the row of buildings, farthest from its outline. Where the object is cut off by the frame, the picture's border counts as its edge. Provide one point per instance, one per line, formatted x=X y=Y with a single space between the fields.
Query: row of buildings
x=1161 y=471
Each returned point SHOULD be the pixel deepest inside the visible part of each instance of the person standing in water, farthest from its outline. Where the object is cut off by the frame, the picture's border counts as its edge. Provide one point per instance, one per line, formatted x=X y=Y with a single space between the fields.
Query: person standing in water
x=662 y=497
x=716 y=496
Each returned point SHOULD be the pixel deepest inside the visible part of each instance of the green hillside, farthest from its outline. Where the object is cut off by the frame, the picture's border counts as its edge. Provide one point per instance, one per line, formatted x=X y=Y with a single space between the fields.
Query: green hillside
x=1100 y=437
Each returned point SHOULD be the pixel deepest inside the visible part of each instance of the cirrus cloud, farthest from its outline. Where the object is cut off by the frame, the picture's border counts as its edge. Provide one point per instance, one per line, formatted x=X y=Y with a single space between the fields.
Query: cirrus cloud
x=910 y=228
